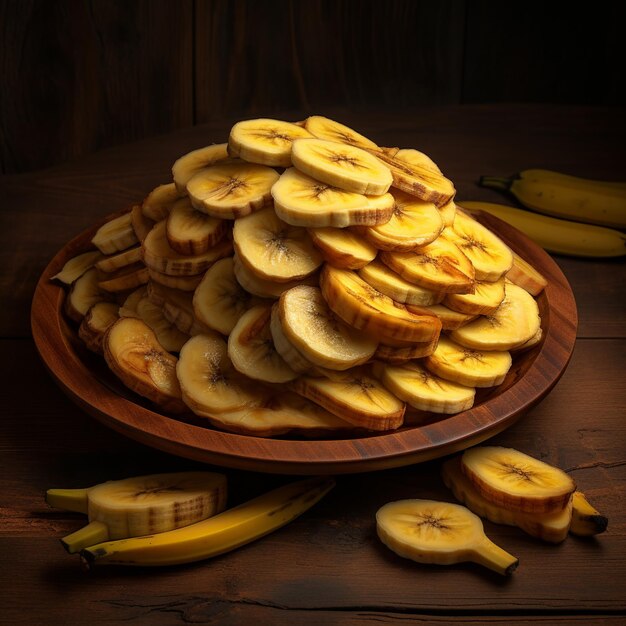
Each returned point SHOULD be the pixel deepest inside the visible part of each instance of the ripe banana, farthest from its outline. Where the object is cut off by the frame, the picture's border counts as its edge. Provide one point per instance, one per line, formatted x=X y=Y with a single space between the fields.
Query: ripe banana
x=343 y=248
x=148 y=504
x=487 y=297
x=427 y=531
x=115 y=235
x=159 y=202
x=191 y=232
x=324 y=128
x=524 y=275
x=296 y=361
x=538 y=175
x=557 y=235
x=76 y=266
x=100 y=317
x=68 y=499
x=450 y=319
x=586 y=520
x=588 y=203
x=191 y=163
x=514 y=480
x=216 y=535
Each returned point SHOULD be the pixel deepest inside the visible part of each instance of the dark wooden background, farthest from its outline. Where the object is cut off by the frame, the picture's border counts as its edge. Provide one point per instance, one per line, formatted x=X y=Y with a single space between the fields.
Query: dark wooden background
x=80 y=75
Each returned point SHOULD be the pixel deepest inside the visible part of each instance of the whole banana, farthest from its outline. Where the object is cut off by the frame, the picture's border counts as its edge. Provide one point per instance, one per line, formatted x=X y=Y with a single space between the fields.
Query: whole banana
x=218 y=534
x=555 y=235
x=581 y=200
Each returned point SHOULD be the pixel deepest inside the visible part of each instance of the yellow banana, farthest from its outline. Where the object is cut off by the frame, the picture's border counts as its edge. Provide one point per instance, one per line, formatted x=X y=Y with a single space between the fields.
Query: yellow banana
x=68 y=499
x=558 y=236
x=592 y=204
x=539 y=175
x=216 y=535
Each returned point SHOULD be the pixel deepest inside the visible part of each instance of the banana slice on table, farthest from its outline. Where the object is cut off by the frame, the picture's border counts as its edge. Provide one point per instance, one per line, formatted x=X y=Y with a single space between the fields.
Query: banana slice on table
x=184 y=283
x=586 y=520
x=511 y=325
x=190 y=164
x=355 y=397
x=343 y=248
x=302 y=200
x=141 y=224
x=468 y=367
x=115 y=235
x=135 y=356
x=146 y=505
x=125 y=279
x=414 y=224
x=439 y=266
x=273 y=249
x=159 y=202
x=265 y=141
x=251 y=348
x=524 y=275
x=423 y=390
x=296 y=361
x=232 y=190
x=168 y=335
x=117 y=261
x=418 y=177
x=517 y=481
x=486 y=298
x=316 y=332
x=100 y=317
x=191 y=232
x=489 y=255
x=76 y=266
x=364 y=308
x=341 y=165
x=427 y=531
x=159 y=256
x=209 y=382
x=84 y=293
x=552 y=527
x=325 y=128
x=385 y=280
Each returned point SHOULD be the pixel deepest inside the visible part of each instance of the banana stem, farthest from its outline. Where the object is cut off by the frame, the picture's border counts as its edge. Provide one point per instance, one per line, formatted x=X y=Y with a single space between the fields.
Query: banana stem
x=90 y=535
x=68 y=499
x=495 y=558
x=493 y=182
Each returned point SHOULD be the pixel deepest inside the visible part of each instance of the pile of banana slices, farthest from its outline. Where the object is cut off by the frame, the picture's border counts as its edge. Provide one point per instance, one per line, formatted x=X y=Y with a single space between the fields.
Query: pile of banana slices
x=301 y=278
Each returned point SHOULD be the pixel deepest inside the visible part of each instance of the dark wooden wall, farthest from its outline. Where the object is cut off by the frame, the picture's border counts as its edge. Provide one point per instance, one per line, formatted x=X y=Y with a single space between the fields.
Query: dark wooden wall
x=80 y=75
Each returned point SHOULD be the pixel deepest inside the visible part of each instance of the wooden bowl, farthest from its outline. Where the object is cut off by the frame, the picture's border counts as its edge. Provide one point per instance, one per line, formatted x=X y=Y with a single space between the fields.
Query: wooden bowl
x=87 y=381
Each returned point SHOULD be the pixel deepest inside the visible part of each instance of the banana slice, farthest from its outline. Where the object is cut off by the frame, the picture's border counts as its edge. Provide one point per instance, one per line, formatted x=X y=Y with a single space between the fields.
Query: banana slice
x=427 y=531
x=323 y=339
x=489 y=255
x=118 y=261
x=424 y=390
x=341 y=165
x=251 y=348
x=158 y=255
x=191 y=232
x=468 y=367
x=552 y=527
x=282 y=413
x=440 y=266
x=99 y=318
x=517 y=481
x=383 y=279
x=231 y=190
x=343 y=248
x=159 y=202
x=412 y=157
x=210 y=384
x=450 y=320
x=266 y=288
x=141 y=224
x=184 y=283
x=296 y=361
x=414 y=224
x=448 y=213
x=487 y=297
x=586 y=520
x=135 y=356
x=325 y=128
x=302 y=200
x=396 y=355
x=354 y=397
x=146 y=505
x=190 y=164
x=531 y=343
x=524 y=275
x=170 y=338
x=129 y=306
x=116 y=235
x=364 y=308
x=84 y=293
x=274 y=250
x=265 y=141
x=126 y=278
x=76 y=266
x=418 y=178
x=511 y=325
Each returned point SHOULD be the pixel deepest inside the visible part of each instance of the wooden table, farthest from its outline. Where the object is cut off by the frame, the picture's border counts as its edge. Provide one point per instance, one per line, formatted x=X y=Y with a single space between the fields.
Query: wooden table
x=327 y=567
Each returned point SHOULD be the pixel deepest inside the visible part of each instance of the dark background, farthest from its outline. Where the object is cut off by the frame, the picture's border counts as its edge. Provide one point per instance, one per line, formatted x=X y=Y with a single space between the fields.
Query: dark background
x=80 y=75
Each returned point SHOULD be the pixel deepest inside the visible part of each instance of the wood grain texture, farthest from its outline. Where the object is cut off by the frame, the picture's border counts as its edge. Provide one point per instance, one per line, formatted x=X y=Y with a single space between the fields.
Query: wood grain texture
x=78 y=76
